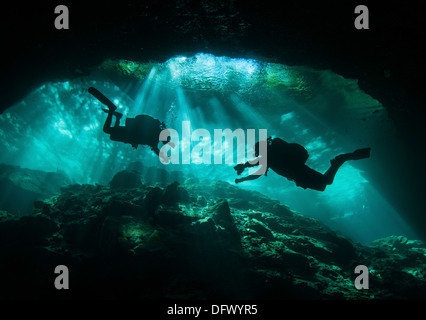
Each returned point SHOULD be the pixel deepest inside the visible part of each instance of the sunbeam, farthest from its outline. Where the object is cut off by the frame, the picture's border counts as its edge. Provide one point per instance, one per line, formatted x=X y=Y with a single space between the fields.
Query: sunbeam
x=59 y=127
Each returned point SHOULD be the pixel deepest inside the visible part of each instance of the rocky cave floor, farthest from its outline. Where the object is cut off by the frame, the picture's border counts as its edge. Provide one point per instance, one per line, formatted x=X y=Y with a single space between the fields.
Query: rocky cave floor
x=193 y=240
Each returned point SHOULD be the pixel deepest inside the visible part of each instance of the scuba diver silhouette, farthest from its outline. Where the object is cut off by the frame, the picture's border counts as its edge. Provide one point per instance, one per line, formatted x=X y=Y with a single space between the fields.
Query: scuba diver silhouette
x=141 y=130
x=288 y=160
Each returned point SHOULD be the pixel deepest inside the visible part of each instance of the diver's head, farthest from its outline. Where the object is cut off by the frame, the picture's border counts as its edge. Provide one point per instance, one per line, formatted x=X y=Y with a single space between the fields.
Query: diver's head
x=257 y=146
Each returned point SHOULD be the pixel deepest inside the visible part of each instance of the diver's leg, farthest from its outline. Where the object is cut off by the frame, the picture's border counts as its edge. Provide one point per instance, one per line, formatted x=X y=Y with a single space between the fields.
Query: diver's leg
x=356 y=155
x=250 y=177
x=307 y=178
x=108 y=122
x=361 y=154
x=240 y=167
x=337 y=162
x=118 y=116
x=98 y=95
x=331 y=172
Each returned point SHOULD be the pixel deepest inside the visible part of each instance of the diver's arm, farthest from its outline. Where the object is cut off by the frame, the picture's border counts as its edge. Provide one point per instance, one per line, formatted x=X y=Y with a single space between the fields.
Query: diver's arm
x=249 y=165
x=250 y=177
x=240 y=167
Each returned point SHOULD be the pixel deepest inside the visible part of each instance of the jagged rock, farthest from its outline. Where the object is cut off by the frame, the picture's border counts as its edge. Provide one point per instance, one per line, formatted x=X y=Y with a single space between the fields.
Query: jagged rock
x=5 y=216
x=174 y=194
x=134 y=238
x=111 y=232
x=221 y=215
x=172 y=217
x=122 y=208
x=223 y=189
x=392 y=243
x=242 y=204
x=205 y=227
x=153 y=200
x=146 y=239
x=126 y=179
x=27 y=230
x=261 y=229
x=201 y=201
x=20 y=187
x=83 y=234
x=274 y=222
x=343 y=250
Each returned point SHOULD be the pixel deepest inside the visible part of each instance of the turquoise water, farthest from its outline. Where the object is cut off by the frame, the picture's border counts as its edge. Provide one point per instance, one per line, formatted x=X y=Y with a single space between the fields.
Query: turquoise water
x=58 y=127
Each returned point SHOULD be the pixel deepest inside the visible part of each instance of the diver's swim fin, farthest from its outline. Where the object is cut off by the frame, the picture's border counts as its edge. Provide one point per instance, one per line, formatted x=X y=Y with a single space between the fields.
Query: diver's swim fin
x=98 y=95
x=360 y=154
x=356 y=155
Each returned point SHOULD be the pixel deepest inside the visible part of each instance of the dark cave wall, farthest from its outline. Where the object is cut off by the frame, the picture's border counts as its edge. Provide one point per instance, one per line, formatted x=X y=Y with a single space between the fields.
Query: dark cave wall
x=317 y=34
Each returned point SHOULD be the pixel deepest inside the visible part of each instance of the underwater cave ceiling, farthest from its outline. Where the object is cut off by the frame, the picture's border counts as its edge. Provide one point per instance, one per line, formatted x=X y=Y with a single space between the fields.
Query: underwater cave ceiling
x=383 y=61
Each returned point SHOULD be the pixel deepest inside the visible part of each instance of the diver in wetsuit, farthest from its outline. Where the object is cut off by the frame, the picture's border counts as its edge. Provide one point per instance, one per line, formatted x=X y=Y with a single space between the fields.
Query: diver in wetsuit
x=288 y=160
x=143 y=129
